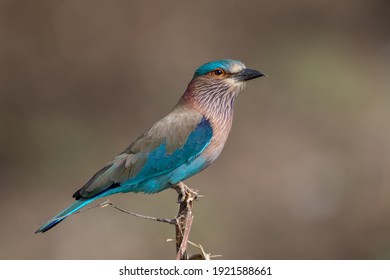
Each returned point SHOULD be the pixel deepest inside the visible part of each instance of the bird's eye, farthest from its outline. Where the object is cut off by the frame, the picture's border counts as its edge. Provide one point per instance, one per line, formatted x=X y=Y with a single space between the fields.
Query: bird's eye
x=218 y=72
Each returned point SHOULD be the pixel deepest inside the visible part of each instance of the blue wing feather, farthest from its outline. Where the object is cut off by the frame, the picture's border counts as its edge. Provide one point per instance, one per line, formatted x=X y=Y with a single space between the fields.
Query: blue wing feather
x=160 y=162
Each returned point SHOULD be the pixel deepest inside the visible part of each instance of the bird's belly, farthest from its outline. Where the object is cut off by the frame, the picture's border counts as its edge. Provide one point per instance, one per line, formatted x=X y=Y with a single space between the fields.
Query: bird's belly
x=166 y=180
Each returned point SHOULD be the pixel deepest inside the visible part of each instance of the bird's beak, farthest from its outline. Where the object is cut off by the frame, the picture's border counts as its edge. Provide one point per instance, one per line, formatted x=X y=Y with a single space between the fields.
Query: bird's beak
x=248 y=74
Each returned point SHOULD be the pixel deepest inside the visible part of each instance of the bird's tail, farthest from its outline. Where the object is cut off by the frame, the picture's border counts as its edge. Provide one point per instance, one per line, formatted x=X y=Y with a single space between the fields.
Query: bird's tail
x=64 y=214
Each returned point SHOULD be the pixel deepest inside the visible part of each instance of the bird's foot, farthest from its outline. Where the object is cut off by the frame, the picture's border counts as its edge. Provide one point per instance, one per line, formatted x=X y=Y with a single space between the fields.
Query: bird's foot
x=185 y=192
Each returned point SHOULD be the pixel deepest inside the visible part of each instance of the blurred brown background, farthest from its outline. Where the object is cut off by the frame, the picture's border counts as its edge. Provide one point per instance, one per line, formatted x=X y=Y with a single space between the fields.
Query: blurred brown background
x=304 y=175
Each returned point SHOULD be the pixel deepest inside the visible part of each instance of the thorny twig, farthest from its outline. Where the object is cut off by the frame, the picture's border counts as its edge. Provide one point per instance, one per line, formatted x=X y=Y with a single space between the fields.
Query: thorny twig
x=184 y=219
x=202 y=255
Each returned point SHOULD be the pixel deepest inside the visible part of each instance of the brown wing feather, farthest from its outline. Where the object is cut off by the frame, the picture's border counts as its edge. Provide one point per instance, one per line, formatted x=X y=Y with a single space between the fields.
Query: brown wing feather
x=173 y=130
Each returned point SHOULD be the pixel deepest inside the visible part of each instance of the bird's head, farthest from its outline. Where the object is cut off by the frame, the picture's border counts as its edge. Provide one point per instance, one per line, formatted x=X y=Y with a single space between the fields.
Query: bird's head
x=221 y=77
x=216 y=84
x=229 y=72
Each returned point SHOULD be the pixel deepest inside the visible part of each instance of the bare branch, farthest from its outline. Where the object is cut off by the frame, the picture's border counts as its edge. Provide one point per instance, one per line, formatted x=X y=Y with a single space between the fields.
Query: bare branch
x=109 y=203
x=184 y=219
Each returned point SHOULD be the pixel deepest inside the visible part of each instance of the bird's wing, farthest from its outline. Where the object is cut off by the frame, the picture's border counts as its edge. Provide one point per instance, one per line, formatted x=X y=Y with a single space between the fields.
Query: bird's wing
x=176 y=139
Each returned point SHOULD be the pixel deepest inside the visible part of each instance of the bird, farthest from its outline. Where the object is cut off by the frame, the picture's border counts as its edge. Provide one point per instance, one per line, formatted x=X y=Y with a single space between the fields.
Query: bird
x=183 y=143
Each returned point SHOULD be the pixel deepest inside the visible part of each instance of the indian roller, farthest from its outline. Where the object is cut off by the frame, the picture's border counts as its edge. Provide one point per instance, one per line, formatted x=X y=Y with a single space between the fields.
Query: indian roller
x=180 y=145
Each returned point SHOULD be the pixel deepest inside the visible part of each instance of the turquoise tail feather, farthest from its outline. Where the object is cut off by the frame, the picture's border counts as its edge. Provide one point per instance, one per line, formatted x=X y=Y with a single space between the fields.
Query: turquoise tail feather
x=65 y=213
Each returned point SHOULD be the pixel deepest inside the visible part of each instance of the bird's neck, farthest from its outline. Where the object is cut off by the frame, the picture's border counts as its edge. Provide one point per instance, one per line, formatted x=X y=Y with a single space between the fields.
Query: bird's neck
x=217 y=105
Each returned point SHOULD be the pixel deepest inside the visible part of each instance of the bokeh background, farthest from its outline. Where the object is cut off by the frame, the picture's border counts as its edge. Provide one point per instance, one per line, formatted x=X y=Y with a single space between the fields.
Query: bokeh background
x=305 y=173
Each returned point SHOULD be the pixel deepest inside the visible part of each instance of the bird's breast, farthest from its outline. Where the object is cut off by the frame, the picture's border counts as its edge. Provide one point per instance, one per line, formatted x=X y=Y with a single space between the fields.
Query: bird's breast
x=221 y=129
